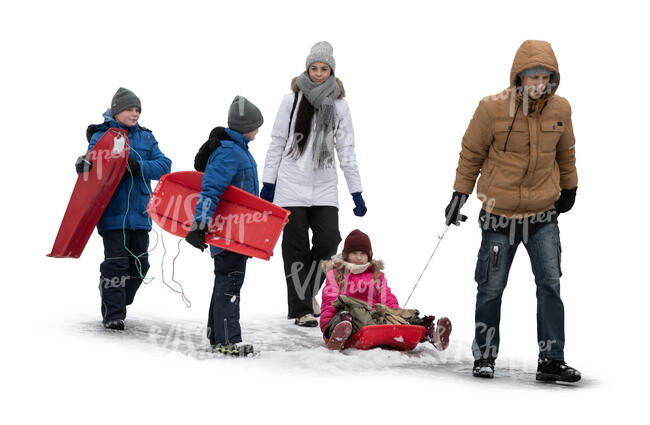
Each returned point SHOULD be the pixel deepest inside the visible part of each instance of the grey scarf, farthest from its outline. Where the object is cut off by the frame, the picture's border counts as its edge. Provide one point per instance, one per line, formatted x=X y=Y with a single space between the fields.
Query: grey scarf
x=321 y=97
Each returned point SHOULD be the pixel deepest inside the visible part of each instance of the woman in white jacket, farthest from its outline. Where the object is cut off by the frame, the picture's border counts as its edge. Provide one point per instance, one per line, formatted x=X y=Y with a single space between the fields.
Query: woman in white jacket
x=300 y=175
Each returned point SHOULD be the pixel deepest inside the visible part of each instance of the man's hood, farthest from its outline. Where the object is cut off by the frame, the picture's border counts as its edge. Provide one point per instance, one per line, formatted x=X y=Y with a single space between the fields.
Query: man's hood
x=535 y=53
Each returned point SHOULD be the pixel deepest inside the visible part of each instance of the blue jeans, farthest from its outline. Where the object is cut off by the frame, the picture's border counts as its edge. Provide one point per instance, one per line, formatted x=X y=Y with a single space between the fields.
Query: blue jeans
x=492 y=268
x=223 y=317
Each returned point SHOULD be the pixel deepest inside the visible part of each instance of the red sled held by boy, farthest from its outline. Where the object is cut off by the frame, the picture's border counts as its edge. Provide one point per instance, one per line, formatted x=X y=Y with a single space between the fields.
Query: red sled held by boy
x=242 y=222
x=92 y=193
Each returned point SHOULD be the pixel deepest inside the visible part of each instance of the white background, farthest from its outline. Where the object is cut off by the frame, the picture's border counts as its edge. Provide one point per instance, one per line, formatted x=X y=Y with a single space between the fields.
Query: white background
x=414 y=73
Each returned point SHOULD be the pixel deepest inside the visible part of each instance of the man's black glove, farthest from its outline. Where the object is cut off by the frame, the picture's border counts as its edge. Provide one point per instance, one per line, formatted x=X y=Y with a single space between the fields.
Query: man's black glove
x=83 y=164
x=196 y=236
x=134 y=166
x=452 y=212
x=566 y=200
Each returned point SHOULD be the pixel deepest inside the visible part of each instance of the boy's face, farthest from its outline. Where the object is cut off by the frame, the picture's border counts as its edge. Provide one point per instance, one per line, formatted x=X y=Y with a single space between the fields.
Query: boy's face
x=251 y=134
x=128 y=117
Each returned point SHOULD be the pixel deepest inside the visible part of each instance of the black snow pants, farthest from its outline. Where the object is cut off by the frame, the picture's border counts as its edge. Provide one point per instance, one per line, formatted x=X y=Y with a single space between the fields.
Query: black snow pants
x=121 y=272
x=302 y=263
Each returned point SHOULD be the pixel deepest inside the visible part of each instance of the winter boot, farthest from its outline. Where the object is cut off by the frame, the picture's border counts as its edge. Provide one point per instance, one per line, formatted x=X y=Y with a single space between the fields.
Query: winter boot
x=339 y=336
x=429 y=323
x=116 y=325
x=307 y=321
x=483 y=368
x=341 y=332
x=315 y=306
x=440 y=338
x=556 y=370
x=236 y=350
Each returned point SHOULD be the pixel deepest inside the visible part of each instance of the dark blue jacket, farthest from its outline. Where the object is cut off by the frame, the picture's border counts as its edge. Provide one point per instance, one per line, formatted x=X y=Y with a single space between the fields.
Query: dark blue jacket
x=129 y=210
x=229 y=164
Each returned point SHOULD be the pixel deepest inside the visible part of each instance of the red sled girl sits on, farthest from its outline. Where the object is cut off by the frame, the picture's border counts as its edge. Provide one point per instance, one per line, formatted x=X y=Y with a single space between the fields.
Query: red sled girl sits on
x=355 y=274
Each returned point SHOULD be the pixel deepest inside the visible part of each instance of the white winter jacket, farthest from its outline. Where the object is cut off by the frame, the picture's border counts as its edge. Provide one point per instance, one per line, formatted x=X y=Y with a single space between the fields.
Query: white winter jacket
x=297 y=182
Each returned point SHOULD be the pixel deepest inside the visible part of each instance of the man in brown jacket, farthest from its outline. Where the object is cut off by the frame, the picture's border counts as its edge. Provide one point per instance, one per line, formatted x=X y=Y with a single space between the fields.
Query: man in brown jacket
x=521 y=142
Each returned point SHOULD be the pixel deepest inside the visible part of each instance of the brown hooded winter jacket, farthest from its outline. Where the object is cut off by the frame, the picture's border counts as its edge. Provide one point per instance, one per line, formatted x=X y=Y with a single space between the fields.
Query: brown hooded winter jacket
x=524 y=176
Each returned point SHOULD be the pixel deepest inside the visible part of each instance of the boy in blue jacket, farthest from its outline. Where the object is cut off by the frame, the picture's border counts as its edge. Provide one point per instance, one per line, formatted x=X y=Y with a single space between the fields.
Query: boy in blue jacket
x=125 y=224
x=225 y=160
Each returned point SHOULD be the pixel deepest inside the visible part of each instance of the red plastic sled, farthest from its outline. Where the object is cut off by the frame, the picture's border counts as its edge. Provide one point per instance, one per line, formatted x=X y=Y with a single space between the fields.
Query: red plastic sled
x=242 y=223
x=92 y=193
x=398 y=337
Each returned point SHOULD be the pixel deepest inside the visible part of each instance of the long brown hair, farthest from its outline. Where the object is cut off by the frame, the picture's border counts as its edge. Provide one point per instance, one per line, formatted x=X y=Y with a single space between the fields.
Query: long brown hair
x=341 y=275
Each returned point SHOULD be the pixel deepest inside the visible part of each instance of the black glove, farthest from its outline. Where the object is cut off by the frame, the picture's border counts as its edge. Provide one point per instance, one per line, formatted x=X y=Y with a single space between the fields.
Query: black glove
x=134 y=166
x=566 y=200
x=83 y=164
x=452 y=212
x=196 y=236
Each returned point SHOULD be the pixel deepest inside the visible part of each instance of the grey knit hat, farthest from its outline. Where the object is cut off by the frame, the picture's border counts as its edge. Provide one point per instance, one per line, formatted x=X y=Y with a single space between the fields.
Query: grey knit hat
x=123 y=100
x=321 y=52
x=535 y=70
x=243 y=116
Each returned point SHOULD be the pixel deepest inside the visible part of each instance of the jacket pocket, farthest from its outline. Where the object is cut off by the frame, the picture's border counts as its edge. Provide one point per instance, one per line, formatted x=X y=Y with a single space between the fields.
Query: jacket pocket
x=510 y=137
x=551 y=132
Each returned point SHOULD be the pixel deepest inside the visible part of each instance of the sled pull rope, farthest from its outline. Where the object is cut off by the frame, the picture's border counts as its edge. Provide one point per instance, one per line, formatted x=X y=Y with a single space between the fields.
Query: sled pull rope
x=427 y=265
x=186 y=301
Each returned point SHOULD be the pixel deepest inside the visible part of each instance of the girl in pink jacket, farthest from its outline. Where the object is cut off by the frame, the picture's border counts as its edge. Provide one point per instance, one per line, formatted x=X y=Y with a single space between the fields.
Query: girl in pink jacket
x=358 y=276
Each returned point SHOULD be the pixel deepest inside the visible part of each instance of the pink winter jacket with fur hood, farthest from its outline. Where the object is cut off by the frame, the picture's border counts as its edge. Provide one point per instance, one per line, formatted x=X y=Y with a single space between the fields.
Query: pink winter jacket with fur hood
x=361 y=286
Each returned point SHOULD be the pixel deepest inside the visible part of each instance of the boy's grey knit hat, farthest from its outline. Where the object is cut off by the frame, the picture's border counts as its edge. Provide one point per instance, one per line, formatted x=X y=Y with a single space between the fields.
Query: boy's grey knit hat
x=535 y=70
x=243 y=116
x=123 y=100
x=321 y=52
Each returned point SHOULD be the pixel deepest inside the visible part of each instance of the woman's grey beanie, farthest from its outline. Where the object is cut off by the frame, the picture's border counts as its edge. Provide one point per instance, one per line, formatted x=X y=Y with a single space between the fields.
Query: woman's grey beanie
x=243 y=116
x=321 y=52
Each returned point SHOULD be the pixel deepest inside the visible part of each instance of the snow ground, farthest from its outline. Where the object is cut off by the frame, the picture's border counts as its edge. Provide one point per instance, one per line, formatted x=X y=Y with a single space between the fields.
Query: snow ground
x=414 y=72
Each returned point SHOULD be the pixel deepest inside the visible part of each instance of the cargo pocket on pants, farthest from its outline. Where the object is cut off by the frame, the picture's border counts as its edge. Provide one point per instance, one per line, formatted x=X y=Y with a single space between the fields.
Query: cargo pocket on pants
x=559 y=257
x=482 y=264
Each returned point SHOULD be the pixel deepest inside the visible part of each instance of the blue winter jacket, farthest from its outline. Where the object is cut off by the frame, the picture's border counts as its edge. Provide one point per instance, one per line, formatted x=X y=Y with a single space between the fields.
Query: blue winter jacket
x=130 y=210
x=229 y=164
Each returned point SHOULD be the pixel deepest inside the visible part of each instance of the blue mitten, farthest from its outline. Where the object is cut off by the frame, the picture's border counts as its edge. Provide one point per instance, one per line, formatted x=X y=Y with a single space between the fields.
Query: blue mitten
x=360 y=205
x=268 y=192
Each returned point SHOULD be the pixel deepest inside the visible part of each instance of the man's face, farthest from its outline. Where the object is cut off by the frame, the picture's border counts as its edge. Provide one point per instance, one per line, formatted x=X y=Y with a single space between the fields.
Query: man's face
x=535 y=85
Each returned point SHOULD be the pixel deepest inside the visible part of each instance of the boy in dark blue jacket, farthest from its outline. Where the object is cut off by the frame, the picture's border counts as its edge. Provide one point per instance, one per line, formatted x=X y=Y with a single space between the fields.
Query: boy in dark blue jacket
x=225 y=160
x=125 y=224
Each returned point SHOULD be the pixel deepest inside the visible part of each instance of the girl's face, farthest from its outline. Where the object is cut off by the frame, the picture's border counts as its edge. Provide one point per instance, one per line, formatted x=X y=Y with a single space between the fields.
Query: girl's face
x=128 y=117
x=357 y=257
x=319 y=72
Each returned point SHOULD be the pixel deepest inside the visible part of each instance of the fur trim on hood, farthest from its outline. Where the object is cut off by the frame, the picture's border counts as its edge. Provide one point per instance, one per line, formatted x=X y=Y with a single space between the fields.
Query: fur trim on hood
x=295 y=89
